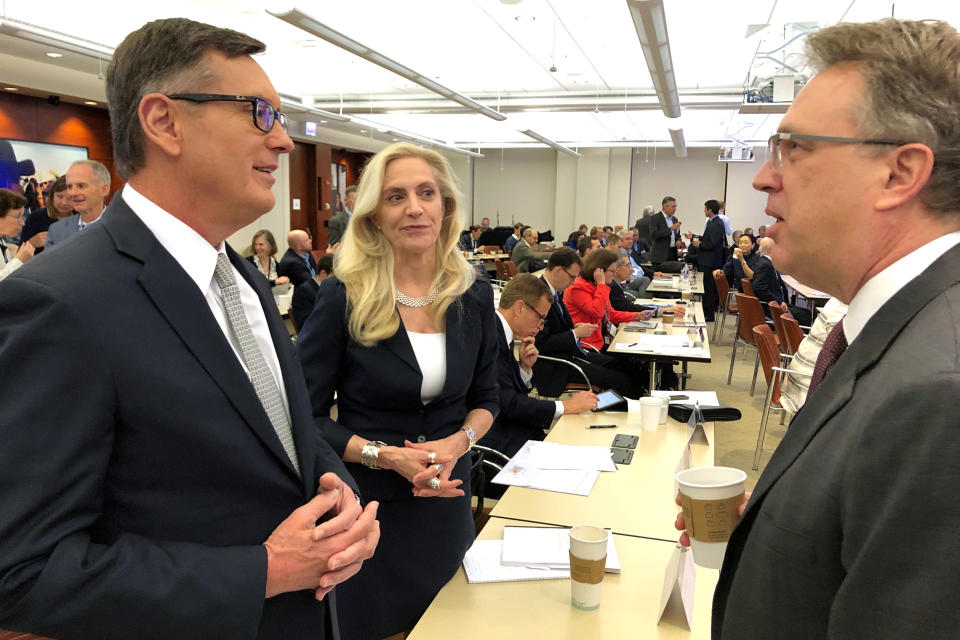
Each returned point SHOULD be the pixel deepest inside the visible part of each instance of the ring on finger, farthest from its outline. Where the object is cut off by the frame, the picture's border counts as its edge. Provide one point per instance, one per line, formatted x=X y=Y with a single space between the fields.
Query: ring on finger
x=432 y=457
x=439 y=467
x=434 y=484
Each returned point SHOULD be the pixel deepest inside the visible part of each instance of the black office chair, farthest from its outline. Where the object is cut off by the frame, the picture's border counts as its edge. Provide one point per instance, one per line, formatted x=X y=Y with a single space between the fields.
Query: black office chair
x=483 y=460
x=551 y=380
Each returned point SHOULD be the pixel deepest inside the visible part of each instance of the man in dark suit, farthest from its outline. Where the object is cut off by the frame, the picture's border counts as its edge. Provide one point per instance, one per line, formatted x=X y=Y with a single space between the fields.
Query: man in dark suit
x=664 y=233
x=298 y=263
x=643 y=229
x=305 y=294
x=338 y=223
x=710 y=251
x=174 y=488
x=524 y=305
x=850 y=530
x=560 y=338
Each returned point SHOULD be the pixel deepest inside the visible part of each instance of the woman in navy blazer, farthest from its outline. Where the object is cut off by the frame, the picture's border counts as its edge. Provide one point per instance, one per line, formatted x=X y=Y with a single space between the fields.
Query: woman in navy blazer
x=405 y=335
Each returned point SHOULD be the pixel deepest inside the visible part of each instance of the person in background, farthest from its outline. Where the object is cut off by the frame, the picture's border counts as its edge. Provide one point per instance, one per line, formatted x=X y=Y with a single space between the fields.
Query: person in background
x=524 y=256
x=574 y=238
x=305 y=294
x=12 y=206
x=338 y=223
x=468 y=240
x=742 y=263
x=604 y=234
x=263 y=251
x=710 y=249
x=749 y=231
x=642 y=227
x=405 y=334
x=58 y=207
x=586 y=244
x=793 y=390
x=484 y=224
x=761 y=231
x=664 y=233
x=512 y=240
x=88 y=184
x=298 y=263
x=524 y=305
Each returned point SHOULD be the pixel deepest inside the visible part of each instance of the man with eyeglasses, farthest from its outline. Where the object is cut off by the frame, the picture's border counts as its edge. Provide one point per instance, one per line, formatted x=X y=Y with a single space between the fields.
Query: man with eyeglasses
x=298 y=262
x=851 y=529
x=163 y=476
x=524 y=305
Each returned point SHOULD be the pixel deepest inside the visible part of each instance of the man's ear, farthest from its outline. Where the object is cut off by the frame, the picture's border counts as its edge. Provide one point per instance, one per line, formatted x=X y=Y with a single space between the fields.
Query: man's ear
x=159 y=119
x=908 y=170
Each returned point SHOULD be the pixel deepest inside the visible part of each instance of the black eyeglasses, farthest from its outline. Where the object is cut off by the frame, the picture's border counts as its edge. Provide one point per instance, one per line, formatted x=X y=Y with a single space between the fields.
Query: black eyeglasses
x=573 y=276
x=542 y=317
x=264 y=115
x=775 y=146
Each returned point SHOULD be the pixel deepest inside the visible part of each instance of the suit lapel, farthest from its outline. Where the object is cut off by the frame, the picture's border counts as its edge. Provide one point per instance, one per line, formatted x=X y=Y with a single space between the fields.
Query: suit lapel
x=870 y=345
x=180 y=302
x=399 y=345
x=518 y=383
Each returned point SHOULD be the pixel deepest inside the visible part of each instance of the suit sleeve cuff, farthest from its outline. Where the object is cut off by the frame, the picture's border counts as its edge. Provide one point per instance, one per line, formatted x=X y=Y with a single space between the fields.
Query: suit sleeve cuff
x=559 y=410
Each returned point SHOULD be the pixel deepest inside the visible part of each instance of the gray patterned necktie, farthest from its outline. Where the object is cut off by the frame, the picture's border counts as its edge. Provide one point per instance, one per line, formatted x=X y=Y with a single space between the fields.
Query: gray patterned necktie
x=260 y=375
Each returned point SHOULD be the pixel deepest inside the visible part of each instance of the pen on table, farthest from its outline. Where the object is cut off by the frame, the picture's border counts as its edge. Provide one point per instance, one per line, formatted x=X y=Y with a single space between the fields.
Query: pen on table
x=632 y=344
x=701 y=334
x=601 y=426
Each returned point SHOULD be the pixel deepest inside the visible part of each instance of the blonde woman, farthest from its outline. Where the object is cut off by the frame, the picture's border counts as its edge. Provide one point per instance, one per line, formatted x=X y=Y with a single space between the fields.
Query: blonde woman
x=405 y=334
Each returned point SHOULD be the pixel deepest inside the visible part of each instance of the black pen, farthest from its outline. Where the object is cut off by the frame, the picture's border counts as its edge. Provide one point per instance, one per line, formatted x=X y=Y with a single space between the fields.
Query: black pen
x=632 y=344
x=601 y=426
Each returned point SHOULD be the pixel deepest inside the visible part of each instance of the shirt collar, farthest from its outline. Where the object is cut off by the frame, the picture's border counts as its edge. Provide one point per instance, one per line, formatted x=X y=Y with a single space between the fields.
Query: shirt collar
x=194 y=254
x=507 y=331
x=883 y=286
x=553 y=292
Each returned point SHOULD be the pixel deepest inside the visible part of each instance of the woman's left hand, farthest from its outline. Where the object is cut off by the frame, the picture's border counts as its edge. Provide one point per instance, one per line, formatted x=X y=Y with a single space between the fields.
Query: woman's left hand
x=282 y=280
x=679 y=311
x=450 y=447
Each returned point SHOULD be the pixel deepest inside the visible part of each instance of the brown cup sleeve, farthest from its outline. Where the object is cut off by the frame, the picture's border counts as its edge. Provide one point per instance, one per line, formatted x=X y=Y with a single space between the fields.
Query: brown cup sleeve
x=587 y=571
x=711 y=520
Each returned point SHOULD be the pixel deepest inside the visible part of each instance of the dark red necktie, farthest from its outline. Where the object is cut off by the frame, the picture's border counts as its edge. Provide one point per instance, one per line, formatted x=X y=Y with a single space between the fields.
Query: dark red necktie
x=833 y=346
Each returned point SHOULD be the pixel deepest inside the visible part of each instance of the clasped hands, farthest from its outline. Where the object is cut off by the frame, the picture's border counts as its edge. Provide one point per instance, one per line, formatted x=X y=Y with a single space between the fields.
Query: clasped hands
x=302 y=554
x=414 y=462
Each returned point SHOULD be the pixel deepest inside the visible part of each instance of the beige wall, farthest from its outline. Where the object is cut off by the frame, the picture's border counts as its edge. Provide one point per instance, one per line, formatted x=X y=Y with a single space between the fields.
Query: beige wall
x=516 y=185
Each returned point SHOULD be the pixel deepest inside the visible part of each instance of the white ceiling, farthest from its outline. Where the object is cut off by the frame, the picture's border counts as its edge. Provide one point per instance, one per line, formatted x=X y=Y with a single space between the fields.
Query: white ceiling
x=496 y=52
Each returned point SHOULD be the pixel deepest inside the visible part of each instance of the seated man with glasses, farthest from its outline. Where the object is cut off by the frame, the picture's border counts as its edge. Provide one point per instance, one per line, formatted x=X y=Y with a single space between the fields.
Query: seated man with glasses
x=524 y=305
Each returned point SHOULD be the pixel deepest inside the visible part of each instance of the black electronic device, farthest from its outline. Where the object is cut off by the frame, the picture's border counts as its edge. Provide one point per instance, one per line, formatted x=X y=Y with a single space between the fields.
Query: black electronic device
x=622 y=456
x=610 y=400
x=625 y=441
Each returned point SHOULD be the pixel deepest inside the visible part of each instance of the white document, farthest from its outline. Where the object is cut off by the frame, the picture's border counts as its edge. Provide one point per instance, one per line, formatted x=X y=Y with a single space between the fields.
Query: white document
x=705 y=398
x=551 y=455
x=546 y=548
x=482 y=564
x=573 y=481
x=679 y=587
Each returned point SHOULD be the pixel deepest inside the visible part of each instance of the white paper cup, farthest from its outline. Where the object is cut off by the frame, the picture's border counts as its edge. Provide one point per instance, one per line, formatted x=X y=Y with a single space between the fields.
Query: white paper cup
x=650 y=409
x=675 y=281
x=711 y=498
x=588 y=556
x=665 y=404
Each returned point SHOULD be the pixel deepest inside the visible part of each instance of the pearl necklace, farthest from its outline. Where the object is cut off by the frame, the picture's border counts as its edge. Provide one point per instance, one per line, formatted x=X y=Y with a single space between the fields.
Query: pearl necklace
x=407 y=301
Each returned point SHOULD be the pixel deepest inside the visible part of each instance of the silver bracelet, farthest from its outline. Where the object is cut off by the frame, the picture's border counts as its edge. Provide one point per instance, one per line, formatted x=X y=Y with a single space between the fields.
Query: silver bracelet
x=370 y=454
x=471 y=434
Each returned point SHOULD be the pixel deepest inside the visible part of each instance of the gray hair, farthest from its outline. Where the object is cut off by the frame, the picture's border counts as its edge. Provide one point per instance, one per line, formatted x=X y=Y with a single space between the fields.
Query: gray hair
x=648 y=209
x=163 y=56
x=100 y=171
x=911 y=74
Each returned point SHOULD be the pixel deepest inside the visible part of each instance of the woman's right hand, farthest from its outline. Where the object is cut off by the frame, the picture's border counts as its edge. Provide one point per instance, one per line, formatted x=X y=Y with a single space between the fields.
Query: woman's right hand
x=717 y=273
x=598 y=276
x=738 y=254
x=411 y=463
x=25 y=252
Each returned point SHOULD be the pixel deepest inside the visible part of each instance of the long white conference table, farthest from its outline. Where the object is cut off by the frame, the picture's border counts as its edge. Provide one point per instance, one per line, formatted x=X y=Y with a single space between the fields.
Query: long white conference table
x=636 y=502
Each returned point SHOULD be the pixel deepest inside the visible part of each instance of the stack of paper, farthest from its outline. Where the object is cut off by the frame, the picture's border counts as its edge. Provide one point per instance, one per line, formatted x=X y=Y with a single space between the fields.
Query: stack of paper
x=556 y=467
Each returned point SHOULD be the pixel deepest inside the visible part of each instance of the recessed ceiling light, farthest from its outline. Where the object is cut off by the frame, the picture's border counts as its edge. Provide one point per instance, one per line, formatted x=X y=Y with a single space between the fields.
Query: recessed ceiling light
x=363 y=130
x=54 y=54
x=11 y=89
x=90 y=102
x=323 y=122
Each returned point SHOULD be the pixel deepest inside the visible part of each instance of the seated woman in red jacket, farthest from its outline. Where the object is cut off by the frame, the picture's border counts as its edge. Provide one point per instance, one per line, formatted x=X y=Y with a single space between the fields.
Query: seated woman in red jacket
x=588 y=299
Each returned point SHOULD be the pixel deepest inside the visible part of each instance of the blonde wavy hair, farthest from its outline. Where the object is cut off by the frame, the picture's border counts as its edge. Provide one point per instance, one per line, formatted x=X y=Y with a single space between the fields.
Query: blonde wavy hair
x=364 y=261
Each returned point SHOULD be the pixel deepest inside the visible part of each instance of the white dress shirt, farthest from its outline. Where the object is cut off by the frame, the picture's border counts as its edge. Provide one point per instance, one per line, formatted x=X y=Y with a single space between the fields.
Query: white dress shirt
x=8 y=263
x=198 y=258
x=883 y=286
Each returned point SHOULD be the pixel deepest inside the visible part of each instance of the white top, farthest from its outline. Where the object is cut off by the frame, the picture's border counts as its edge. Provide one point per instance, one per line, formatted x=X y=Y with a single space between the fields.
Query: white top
x=883 y=286
x=431 y=352
x=199 y=259
x=8 y=264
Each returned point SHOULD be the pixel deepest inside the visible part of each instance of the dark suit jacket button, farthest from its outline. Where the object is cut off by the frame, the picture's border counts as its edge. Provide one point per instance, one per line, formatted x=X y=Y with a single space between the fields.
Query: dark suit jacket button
x=421 y=438
x=421 y=412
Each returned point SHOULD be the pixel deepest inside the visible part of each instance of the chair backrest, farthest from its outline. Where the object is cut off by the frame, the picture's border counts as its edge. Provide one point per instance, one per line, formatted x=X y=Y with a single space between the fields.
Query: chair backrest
x=723 y=289
x=792 y=333
x=747 y=287
x=769 y=356
x=501 y=270
x=511 y=268
x=751 y=315
x=777 y=309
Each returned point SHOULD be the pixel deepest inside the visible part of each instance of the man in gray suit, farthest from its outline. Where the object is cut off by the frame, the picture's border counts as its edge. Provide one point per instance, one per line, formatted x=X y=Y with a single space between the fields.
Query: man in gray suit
x=523 y=254
x=851 y=531
x=338 y=223
x=88 y=183
x=664 y=233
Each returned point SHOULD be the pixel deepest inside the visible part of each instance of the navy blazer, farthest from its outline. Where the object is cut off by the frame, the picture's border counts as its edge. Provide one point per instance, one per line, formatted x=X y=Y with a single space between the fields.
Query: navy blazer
x=378 y=387
x=710 y=251
x=292 y=266
x=556 y=338
x=139 y=470
x=521 y=417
